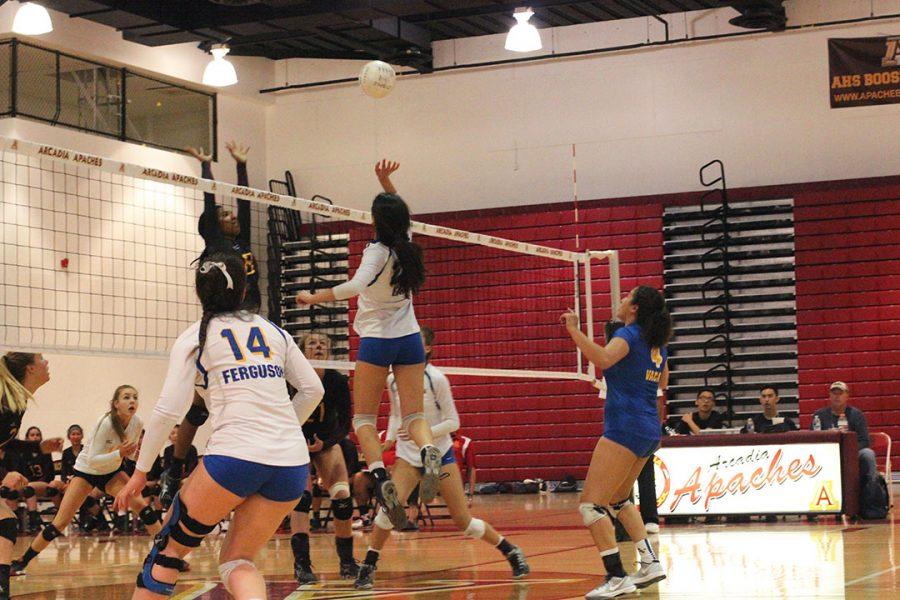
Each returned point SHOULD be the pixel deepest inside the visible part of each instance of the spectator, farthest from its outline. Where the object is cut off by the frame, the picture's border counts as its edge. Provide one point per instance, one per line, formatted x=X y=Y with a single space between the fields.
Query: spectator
x=848 y=418
x=464 y=452
x=41 y=474
x=75 y=434
x=163 y=463
x=704 y=418
x=769 y=421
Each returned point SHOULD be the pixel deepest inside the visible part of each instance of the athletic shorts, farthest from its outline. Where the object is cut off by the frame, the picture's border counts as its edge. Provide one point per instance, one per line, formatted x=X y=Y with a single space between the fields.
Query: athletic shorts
x=244 y=478
x=98 y=481
x=642 y=447
x=384 y=352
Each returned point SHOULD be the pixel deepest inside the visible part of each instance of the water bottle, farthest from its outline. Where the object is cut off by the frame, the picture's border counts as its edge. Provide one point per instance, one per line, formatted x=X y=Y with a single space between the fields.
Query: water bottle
x=817 y=423
x=750 y=427
x=842 y=423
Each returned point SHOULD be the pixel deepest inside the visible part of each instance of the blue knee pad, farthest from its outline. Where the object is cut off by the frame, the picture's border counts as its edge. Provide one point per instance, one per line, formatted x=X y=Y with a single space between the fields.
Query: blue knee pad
x=184 y=530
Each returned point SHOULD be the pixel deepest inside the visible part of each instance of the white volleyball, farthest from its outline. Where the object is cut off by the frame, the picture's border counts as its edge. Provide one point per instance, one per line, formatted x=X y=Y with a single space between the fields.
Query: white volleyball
x=377 y=79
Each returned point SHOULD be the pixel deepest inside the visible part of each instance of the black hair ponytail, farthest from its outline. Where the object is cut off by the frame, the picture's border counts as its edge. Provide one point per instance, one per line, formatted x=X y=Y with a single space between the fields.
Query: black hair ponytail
x=391 y=219
x=652 y=316
x=220 y=282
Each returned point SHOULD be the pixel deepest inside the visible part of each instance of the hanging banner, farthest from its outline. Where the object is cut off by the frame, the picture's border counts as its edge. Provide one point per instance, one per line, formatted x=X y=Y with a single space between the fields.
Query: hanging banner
x=763 y=479
x=864 y=71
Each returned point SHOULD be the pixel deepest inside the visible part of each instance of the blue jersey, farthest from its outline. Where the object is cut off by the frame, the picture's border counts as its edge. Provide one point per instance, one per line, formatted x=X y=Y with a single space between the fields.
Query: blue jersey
x=632 y=384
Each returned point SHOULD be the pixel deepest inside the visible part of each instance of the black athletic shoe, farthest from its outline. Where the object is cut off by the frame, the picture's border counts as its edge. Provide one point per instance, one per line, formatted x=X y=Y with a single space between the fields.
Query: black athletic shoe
x=316 y=525
x=17 y=567
x=168 y=487
x=365 y=579
x=386 y=493
x=518 y=563
x=303 y=573
x=349 y=570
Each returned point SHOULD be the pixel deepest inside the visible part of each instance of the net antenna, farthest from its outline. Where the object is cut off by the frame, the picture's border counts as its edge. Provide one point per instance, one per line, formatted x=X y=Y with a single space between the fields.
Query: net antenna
x=583 y=264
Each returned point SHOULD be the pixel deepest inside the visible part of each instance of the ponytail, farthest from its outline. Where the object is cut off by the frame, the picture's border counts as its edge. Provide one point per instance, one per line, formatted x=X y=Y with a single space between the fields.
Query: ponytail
x=390 y=216
x=409 y=268
x=13 y=395
x=652 y=316
x=204 y=325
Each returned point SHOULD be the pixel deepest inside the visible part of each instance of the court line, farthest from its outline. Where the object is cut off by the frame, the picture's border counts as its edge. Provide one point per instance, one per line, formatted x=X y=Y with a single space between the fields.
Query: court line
x=496 y=561
x=196 y=591
x=867 y=577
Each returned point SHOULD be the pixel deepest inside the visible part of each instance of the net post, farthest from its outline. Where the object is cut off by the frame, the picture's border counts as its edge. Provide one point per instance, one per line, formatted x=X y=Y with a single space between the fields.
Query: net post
x=577 y=308
x=589 y=308
x=615 y=289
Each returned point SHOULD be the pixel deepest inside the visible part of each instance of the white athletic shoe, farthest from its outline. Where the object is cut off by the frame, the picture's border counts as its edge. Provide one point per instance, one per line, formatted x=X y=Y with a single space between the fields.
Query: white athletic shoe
x=612 y=587
x=651 y=527
x=648 y=574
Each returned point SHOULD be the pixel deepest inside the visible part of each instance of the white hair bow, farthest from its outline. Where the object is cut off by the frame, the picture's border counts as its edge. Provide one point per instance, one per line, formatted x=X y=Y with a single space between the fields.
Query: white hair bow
x=207 y=266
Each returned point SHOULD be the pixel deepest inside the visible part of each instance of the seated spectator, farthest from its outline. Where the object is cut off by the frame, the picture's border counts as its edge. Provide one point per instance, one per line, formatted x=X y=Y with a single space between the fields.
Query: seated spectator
x=164 y=462
x=41 y=475
x=769 y=421
x=76 y=435
x=464 y=451
x=837 y=415
x=704 y=418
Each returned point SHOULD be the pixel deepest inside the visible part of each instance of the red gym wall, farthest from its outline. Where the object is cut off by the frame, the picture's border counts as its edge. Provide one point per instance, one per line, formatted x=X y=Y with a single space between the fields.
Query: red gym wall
x=848 y=324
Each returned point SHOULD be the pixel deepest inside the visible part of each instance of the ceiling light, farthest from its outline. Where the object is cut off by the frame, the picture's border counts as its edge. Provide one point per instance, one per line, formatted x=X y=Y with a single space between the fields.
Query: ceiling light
x=219 y=72
x=32 y=19
x=523 y=37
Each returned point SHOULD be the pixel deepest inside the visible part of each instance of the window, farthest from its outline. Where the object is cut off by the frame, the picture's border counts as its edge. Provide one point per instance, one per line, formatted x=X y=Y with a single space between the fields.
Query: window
x=66 y=90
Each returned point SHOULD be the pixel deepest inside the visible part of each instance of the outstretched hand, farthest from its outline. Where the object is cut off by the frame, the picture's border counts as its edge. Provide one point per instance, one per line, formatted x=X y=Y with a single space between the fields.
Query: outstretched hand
x=569 y=319
x=198 y=154
x=383 y=170
x=135 y=485
x=238 y=152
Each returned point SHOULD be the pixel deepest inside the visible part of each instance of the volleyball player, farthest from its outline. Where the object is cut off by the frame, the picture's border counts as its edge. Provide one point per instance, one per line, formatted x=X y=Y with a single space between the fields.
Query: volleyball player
x=221 y=231
x=390 y=272
x=634 y=365
x=328 y=424
x=440 y=411
x=99 y=465
x=256 y=462
x=21 y=374
x=41 y=474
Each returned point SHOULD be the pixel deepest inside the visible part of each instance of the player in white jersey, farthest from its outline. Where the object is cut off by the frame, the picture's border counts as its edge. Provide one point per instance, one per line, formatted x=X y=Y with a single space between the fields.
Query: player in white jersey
x=440 y=411
x=256 y=462
x=99 y=465
x=391 y=271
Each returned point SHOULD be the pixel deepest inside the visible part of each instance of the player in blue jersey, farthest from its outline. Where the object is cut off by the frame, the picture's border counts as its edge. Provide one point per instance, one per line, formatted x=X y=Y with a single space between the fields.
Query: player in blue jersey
x=634 y=365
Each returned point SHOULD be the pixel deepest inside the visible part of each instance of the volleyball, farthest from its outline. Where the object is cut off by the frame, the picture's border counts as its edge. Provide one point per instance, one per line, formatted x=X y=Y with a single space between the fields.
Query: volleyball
x=377 y=79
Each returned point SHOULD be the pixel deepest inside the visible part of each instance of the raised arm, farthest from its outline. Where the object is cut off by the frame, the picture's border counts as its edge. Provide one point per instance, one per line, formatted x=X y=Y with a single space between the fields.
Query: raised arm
x=239 y=153
x=211 y=230
x=383 y=171
x=602 y=357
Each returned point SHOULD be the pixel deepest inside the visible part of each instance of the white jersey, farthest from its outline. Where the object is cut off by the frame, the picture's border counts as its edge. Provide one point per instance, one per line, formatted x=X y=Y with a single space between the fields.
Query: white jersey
x=244 y=364
x=380 y=313
x=440 y=412
x=100 y=453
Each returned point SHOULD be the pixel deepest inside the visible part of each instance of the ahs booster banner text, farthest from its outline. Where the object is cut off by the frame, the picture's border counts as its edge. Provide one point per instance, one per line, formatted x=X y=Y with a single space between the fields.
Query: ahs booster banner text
x=864 y=71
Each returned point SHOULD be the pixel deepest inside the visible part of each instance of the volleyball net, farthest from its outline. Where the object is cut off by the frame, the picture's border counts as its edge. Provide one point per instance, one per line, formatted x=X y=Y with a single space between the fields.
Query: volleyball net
x=97 y=257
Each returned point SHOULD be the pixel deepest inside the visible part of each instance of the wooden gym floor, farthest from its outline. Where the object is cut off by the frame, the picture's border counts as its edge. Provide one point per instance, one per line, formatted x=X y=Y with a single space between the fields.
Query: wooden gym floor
x=788 y=559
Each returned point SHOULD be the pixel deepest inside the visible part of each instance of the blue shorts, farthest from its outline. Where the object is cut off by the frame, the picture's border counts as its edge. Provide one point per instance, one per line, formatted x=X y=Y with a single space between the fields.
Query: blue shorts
x=641 y=446
x=244 y=478
x=447 y=459
x=384 y=352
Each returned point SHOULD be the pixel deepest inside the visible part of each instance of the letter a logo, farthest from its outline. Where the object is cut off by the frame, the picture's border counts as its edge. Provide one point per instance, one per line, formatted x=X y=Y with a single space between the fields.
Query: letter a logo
x=824 y=499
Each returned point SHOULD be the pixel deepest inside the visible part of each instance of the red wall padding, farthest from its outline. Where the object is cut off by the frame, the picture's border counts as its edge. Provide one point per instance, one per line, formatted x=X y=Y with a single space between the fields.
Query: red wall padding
x=848 y=320
x=848 y=301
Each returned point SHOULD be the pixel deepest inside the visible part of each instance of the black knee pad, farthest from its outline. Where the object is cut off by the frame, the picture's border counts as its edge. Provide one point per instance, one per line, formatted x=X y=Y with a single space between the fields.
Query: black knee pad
x=50 y=533
x=9 y=528
x=28 y=492
x=197 y=415
x=342 y=508
x=52 y=492
x=305 y=503
x=148 y=516
x=8 y=493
